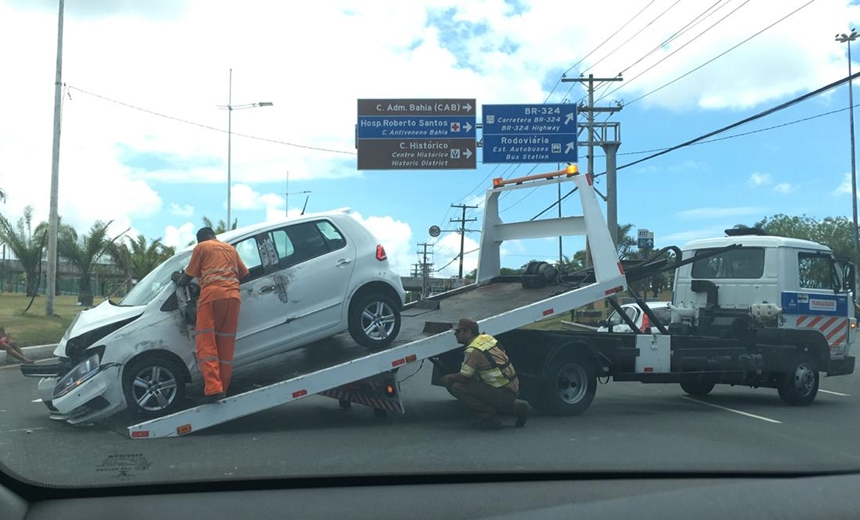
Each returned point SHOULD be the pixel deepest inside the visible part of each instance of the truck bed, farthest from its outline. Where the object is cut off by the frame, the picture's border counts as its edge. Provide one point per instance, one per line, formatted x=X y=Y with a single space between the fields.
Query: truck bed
x=418 y=321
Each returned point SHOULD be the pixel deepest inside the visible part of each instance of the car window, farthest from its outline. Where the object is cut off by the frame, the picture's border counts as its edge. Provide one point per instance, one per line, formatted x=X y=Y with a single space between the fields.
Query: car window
x=298 y=243
x=250 y=255
x=333 y=238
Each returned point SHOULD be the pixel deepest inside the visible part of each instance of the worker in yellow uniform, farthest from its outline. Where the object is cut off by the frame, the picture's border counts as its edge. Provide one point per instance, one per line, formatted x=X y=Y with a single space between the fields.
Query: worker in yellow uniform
x=219 y=271
x=487 y=381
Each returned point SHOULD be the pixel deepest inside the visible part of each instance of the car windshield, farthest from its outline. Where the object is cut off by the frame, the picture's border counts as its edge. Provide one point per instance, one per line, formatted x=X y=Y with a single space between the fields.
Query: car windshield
x=372 y=186
x=151 y=285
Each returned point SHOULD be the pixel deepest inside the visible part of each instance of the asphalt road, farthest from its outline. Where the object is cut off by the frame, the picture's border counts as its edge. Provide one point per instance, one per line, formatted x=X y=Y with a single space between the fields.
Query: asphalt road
x=629 y=427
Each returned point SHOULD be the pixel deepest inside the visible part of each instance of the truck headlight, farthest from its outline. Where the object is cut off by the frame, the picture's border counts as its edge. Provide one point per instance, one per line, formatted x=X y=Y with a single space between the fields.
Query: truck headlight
x=77 y=376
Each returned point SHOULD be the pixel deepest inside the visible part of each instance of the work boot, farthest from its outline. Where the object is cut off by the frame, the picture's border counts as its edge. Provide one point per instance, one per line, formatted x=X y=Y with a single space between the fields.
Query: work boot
x=521 y=412
x=214 y=398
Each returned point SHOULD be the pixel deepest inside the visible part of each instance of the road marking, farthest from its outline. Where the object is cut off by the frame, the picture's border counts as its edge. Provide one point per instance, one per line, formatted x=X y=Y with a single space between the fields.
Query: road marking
x=774 y=421
x=25 y=429
x=834 y=393
x=36 y=401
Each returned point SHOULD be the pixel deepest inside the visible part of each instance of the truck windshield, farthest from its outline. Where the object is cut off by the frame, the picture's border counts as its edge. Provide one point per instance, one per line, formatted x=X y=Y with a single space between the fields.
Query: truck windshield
x=149 y=287
x=746 y=262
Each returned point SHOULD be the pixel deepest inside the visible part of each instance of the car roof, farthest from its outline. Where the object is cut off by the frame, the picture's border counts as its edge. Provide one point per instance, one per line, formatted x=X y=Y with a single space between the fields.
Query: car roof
x=253 y=229
x=754 y=241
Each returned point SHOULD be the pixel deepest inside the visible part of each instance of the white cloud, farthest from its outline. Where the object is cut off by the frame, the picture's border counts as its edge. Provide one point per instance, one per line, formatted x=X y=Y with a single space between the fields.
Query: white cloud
x=181 y=211
x=713 y=213
x=395 y=236
x=844 y=187
x=181 y=236
x=758 y=179
x=784 y=187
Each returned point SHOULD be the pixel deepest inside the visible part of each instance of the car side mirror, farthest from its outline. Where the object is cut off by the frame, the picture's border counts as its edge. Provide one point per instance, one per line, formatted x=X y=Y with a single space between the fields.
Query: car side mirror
x=602 y=323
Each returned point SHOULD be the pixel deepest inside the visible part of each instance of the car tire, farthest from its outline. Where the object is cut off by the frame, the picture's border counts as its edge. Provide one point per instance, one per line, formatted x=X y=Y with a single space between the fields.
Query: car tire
x=800 y=385
x=153 y=385
x=374 y=321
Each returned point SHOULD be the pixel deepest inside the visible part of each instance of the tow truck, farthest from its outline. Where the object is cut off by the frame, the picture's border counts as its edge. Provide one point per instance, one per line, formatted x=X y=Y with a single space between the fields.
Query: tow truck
x=779 y=324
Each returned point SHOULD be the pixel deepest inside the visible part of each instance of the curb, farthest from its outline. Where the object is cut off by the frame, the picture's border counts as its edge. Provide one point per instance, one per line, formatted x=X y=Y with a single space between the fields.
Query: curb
x=35 y=353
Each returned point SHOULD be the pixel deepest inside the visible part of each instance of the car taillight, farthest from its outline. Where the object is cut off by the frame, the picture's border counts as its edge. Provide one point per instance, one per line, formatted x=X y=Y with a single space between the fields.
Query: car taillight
x=380 y=253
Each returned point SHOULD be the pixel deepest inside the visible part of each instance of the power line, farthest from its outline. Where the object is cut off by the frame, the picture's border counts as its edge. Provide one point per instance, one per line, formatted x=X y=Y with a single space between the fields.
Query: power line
x=207 y=127
x=557 y=83
x=633 y=36
x=678 y=49
x=722 y=54
x=742 y=122
x=704 y=15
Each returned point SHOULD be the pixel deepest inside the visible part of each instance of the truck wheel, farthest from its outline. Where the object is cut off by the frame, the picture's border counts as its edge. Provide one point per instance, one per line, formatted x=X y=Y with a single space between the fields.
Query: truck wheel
x=153 y=386
x=569 y=384
x=800 y=385
x=374 y=322
x=698 y=388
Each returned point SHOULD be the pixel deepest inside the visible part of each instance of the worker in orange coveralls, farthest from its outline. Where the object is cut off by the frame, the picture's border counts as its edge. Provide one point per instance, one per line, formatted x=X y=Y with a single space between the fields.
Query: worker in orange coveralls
x=219 y=271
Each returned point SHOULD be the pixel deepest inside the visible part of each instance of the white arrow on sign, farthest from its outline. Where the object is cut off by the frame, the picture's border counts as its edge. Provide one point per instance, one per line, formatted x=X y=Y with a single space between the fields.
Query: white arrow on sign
x=569 y=118
x=468 y=153
x=468 y=126
x=569 y=147
x=468 y=107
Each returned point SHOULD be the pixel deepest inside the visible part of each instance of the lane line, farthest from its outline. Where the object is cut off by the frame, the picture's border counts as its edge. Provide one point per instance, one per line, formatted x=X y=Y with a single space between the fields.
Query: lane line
x=25 y=429
x=759 y=417
x=36 y=401
x=834 y=393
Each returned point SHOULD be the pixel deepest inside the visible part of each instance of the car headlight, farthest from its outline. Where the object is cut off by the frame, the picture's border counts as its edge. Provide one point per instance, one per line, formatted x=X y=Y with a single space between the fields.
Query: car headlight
x=77 y=376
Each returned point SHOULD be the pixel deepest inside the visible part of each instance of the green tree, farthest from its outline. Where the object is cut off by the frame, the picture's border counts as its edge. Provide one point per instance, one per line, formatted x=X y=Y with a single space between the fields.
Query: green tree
x=84 y=252
x=27 y=244
x=137 y=257
x=221 y=227
x=834 y=232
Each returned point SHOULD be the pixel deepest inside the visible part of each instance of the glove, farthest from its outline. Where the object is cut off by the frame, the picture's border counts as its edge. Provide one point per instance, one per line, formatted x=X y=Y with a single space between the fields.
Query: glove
x=179 y=278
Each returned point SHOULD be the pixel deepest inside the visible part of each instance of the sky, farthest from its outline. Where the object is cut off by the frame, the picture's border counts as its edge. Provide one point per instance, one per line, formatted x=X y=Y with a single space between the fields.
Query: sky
x=144 y=140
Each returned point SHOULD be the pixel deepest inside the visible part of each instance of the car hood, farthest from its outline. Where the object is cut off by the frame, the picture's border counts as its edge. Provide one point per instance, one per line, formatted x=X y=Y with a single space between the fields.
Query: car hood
x=103 y=314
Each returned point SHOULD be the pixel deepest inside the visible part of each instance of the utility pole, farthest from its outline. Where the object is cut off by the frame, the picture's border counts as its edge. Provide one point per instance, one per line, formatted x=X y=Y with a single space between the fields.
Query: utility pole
x=462 y=220
x=53 y=215
x=425 y=268
x=590 y=110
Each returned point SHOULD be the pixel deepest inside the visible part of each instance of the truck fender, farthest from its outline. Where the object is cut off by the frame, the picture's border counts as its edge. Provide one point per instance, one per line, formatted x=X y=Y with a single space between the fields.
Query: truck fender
x=798 y=340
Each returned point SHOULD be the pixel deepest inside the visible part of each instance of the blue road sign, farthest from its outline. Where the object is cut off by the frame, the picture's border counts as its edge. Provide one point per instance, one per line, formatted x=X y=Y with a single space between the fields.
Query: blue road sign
x=416 y=134
x=415 y=127
x=529 y=133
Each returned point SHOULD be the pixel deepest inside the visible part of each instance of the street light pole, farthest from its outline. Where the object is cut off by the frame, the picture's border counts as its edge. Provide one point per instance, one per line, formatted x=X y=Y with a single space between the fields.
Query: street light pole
x=230 y=107
x=229 y=144
x=53 y=212
x=847 y=39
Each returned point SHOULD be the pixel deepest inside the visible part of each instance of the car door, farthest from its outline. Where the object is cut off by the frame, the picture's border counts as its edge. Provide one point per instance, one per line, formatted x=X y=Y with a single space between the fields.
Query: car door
x=263 y=322
x=318 y=262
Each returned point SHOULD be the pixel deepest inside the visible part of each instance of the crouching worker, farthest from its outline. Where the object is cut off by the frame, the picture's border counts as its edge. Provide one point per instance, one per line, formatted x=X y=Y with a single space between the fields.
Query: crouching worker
x=487 y=382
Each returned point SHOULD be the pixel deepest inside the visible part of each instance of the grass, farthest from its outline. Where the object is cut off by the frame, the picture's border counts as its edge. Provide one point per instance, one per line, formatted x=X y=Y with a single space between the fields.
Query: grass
x=33 y=327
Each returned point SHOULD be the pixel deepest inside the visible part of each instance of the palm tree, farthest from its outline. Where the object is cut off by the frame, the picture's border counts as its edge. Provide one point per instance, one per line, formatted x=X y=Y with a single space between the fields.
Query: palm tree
x=137 y=258
x=83 y=252
x=27 y=245
x=221 y=227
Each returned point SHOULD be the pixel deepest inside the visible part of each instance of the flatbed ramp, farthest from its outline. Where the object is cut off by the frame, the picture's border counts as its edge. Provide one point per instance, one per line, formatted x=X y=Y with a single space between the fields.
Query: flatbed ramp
x=425 y=329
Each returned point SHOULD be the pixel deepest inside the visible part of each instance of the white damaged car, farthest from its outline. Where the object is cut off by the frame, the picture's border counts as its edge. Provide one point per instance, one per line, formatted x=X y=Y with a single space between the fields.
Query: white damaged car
x=310 y=278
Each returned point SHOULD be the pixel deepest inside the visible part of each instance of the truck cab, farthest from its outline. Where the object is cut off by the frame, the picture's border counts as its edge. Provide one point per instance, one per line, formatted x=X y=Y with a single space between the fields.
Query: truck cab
x=768 y=289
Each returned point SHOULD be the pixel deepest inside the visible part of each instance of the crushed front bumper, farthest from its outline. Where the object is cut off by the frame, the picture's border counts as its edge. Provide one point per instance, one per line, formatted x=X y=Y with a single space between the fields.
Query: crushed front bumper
x=96 y=398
